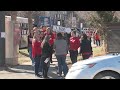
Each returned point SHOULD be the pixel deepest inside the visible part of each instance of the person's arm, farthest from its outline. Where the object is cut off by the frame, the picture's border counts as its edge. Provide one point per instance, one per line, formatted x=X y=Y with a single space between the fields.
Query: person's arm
x=42 y=44
x=78 y=43
x=34 y=48
x=81 y=49
x=69 y=44
x=54 y=45
x=67 y=48
x=91 y=49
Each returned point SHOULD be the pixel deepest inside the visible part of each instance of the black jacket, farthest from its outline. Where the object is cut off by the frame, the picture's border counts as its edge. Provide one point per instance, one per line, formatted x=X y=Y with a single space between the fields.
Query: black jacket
x=86 y=46
x=46 y=50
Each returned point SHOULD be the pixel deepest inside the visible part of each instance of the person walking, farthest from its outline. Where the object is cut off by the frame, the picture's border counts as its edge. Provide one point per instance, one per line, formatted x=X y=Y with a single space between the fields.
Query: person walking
x=94 y=41
x=97 y=38
x=45 y=58
x=86 y=48
x=60 y=46
x=36 y=52
x=73 y=48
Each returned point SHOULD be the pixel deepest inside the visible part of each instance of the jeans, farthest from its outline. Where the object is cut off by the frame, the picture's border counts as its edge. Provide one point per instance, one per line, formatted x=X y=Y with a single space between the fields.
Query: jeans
x=51 y=53
x=62 y=66
x=45 y=66
x=98 y=42
x=30 y=54
x=73 y=56
x=38 y=65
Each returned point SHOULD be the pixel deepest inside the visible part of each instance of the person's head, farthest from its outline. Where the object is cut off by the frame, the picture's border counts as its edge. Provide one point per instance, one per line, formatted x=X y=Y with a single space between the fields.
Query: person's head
x=62 y=33
x=34 y=25
x=42 y=34
x=85 y=36
x=59 y=36
x=73 y=33
x=49 y=30
x=37 y=35
x=43 y=27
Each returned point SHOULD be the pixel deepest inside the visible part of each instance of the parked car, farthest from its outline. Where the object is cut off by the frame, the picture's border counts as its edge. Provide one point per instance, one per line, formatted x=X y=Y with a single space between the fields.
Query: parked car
x=101 y=67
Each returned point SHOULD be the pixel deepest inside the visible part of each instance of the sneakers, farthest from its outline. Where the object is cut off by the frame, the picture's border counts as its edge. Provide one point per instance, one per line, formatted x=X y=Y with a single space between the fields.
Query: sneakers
x=38 y=76
x=59 y=75
x=40 y=73
x=57 y=72
x=46 y=77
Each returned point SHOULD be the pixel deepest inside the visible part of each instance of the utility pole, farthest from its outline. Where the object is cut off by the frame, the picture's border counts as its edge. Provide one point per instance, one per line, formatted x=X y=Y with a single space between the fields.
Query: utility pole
x=2 y=38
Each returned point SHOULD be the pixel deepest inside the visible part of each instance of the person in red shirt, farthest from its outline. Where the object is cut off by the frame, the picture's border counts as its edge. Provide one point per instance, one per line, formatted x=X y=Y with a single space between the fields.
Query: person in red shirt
x=55 y=34
x=73 y=48
x=36 y=52
x=94 y=41
x=97 y=38
x=44 y=28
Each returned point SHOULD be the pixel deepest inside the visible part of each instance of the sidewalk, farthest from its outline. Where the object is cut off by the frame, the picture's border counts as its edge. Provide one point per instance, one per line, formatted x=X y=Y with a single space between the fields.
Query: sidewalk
x=26 y=71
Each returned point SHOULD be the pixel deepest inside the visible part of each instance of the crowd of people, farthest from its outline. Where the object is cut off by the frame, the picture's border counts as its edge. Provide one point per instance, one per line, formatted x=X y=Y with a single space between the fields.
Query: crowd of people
x=43 y=42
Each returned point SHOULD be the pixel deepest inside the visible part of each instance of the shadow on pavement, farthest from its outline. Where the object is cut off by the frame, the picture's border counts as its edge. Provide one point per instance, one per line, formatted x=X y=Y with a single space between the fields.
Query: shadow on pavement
x=21 y=69
x=52 y=73
x=28 y=69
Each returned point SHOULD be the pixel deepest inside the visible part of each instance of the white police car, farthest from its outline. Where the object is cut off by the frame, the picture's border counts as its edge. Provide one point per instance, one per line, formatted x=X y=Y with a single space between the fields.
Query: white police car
x=101 y=67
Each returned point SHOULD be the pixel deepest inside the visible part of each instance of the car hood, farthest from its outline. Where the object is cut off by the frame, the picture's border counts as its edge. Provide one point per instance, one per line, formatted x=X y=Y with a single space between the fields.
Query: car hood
x=95 y=59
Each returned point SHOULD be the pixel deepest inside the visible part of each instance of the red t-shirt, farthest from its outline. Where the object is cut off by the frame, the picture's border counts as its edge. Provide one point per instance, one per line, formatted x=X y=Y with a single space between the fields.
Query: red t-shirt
x=55 y=35
x=52 y=38
x=97 y=37
x=74 y=43
x=36 y=48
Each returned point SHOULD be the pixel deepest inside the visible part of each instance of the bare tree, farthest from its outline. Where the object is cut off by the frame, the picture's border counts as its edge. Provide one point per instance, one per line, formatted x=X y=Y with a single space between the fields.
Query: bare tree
x=13 y=15
x=31 y=15
x=30 y=23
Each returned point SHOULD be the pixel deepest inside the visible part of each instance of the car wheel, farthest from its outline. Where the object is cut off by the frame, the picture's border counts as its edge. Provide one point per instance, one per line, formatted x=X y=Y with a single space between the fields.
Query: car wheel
x=107 y=75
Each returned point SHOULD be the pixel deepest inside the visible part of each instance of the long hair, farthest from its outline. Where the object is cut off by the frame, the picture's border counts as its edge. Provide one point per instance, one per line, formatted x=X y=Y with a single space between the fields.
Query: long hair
x=85 y=37
x=49 y=29
x=59 y=36
x=46 y=39
x=73 y=32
